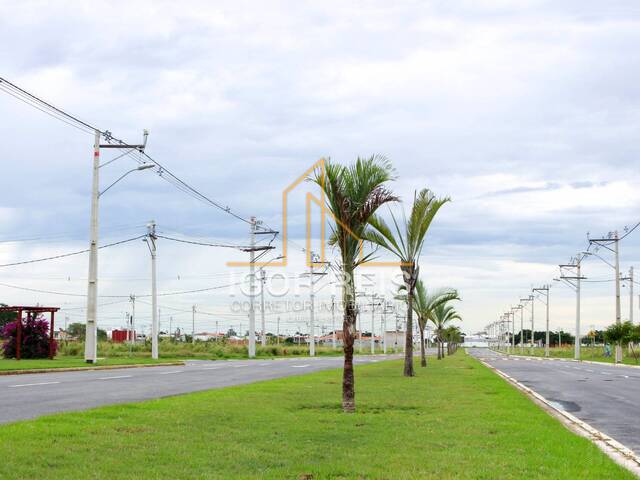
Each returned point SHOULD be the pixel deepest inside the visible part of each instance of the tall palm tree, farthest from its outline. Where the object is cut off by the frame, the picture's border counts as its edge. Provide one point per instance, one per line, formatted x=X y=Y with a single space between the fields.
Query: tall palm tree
x=441 y=317
x=353 y=193
x=424 y=304
x=406 y=242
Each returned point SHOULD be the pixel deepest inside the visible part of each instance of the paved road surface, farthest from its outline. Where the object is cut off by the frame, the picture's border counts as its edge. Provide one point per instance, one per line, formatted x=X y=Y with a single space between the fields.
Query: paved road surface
x=607 y=397
x=29 y=396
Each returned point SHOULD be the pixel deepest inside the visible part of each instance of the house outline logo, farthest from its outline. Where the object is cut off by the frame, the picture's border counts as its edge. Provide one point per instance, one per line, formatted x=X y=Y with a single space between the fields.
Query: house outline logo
x=320 y=168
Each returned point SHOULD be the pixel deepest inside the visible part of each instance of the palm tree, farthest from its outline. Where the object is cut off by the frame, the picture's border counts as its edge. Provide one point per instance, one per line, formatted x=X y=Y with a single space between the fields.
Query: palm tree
x=453 y=336
x=442 y=316
x=353 y=193
x=406 y=242
x=424 y=304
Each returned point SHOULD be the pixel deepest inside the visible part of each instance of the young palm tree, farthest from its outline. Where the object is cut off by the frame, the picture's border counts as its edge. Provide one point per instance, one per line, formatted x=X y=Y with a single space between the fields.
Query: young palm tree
x=453 y=336
x=406 y=242
x=424 y=304
x=353 y=194
x=441 y=317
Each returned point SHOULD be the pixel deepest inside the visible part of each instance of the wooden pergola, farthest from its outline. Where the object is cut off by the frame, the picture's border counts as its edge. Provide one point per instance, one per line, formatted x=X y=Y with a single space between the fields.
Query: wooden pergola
x=31 y=311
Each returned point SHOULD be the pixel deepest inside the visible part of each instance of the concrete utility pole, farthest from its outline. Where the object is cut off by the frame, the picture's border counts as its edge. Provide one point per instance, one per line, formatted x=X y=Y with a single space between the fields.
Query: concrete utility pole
x=522 y=328
x=576 y=266
x=576 y=343
x=631 y=281
x=151 y=242
x=384 y=328
x=617 y=268
x=171 y=337
x=605 y=242
x=91 y=328
x=373 y=311
x=333 y=321
x=91 y=331
x=278 y=331
x=132 y=299
x=545 y=289
x=312 y=332
x=252 y=288
x=523 y=300
x=263 y=332
x=193 y=324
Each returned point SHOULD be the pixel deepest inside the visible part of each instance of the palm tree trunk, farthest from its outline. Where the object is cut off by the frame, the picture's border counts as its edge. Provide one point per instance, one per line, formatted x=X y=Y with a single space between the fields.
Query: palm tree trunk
x=423 y=357
x=348 y=333
x=408 y=350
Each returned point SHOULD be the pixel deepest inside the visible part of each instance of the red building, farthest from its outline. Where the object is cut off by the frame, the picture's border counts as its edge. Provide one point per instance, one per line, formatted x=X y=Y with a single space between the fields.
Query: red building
x=119 y=336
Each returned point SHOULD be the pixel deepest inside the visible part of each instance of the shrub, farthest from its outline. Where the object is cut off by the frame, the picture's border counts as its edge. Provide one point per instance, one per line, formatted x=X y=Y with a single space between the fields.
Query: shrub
x=34 y=341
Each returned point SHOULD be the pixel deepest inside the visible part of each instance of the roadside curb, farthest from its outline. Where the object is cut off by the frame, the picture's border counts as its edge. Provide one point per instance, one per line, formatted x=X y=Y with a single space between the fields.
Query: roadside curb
x=82 y=369
x=573 y=360
x=615 y=450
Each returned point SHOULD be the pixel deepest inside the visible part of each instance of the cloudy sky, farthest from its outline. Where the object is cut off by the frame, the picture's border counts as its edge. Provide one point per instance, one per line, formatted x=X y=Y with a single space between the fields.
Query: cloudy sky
x=524 y=113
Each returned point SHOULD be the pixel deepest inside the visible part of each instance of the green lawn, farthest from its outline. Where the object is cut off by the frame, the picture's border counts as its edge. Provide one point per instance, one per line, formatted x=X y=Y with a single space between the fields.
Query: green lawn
x=455 y=420
x=74 y=362
x=594 y=354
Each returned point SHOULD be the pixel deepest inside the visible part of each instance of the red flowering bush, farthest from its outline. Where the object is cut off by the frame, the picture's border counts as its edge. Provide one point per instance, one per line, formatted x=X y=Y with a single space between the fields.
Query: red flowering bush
x=34 y=340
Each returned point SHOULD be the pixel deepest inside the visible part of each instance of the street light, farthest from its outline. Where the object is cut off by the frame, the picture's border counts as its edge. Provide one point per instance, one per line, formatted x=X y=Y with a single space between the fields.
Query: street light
x=144 y=166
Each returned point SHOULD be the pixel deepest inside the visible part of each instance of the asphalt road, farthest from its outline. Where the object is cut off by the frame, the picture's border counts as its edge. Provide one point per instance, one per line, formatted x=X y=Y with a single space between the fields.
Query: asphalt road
x=29 y=396
x=605 y=396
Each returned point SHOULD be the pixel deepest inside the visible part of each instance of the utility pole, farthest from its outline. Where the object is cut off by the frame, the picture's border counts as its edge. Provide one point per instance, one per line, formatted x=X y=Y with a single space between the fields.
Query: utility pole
x=384 y=328
x=605 y=242
x=617 y=268
x=575 y=265
x=522 y=300
x=545 y=289
x=91 y=328
x=252 y=288
x=333 y=321
x=312 y=333
x=151 y=243
x=522 y=329
x=193 y=324
x=253 y=225
x=132 y=299
x=171 y=337
x=278 y=331
x=263 y=336
x=631 y=294
x=373 y=311
x=315 y=259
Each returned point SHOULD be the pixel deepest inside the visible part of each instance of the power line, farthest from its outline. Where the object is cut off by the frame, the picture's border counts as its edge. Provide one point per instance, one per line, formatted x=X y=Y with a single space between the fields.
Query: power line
x=64 y=255
x=45 y=107
x=192 y=242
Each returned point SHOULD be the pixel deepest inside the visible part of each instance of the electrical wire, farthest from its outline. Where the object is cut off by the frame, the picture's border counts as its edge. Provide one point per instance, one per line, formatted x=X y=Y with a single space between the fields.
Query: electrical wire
x=45 y=107
x=70 y=254
x=192 y=242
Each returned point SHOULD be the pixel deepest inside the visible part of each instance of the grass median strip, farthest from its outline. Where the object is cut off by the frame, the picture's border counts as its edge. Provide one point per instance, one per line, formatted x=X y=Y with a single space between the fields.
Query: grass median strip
x=456 y=419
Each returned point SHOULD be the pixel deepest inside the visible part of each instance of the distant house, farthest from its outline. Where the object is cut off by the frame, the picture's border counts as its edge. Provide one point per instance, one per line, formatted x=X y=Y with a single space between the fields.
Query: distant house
x=206 y=336
x=63 y=335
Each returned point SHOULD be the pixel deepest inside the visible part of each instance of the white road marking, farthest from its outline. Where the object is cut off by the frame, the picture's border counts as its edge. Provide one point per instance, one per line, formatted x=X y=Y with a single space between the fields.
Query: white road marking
x=263 y=364
x=238 y=366
x=299 y=366
x=113 y=378
x=210 y=368
x=173 y=371
x=32 y=384
x=590 y=371
x=605 y=373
